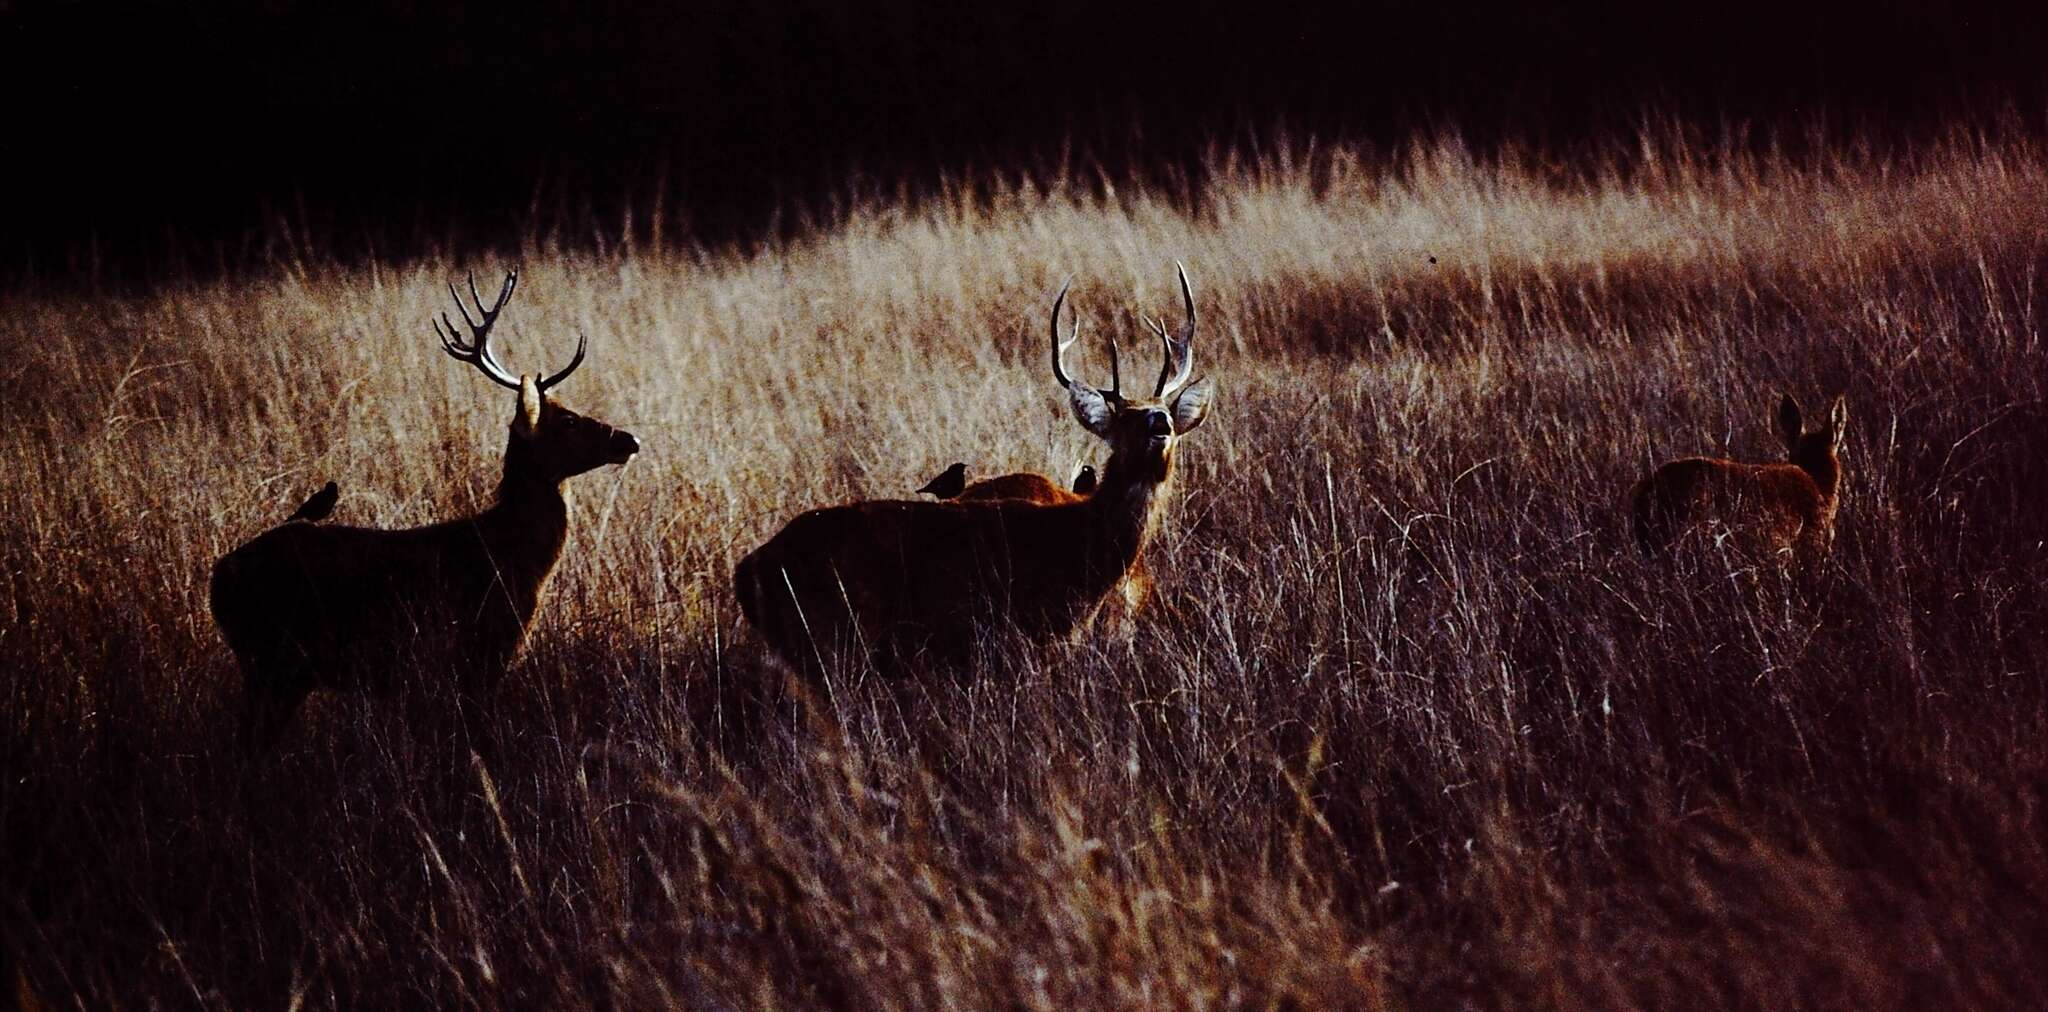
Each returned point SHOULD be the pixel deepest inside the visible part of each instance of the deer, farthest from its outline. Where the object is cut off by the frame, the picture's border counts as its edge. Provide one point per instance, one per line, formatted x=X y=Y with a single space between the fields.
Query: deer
x=1136 y=587
x=308 y=605
x=902 y=584
x=1022 y=485
x=1132 y=592
x=1784 y=509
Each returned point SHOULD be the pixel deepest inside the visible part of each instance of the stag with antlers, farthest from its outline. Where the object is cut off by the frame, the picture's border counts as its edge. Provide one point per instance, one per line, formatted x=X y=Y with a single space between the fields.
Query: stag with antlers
x=308 y=605
x=898 y=584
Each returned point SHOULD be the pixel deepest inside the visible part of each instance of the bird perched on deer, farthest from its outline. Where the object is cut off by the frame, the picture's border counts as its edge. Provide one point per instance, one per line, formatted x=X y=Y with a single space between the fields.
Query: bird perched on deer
x=948 y=484
x=317 y=506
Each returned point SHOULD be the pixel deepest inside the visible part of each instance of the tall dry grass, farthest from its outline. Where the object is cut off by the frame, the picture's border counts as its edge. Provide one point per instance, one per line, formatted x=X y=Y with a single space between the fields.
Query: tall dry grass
x=1409 y=726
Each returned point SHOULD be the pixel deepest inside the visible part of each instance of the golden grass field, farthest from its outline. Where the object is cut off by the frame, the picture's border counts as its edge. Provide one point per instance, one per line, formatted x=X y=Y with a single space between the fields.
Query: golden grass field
x=1410 y=723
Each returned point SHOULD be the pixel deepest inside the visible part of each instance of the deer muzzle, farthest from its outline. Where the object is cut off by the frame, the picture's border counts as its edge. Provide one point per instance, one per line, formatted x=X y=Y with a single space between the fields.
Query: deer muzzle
x=623 y=446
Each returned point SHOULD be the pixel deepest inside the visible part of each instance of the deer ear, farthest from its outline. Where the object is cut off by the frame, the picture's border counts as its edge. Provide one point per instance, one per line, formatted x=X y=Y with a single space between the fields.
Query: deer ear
x=1790 y=425
x=1091 y=409
x=1191 y=405
x=527 y=422
x=1838 y=420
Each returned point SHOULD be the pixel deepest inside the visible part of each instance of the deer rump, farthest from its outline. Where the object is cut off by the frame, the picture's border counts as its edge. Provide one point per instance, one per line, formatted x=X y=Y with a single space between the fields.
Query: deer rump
x=901 y=581
x=323 y=606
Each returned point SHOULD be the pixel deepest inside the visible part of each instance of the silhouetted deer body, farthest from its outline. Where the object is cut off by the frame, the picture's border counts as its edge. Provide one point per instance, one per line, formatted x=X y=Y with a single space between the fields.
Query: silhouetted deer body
x=307 y=605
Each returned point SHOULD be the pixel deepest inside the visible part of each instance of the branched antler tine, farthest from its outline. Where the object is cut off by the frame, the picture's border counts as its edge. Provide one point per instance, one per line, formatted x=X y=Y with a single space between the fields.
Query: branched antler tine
x=1158 y=327
x=1187 y=295
x=491 y=315
x=1116 y=380
x=1165 y=364
x=477 y=351
x=451 y=338
x=461 y=306
x=1181 y=347
x=582 y=343
x=1059 y=347
x=505 y=293
x=447 y=339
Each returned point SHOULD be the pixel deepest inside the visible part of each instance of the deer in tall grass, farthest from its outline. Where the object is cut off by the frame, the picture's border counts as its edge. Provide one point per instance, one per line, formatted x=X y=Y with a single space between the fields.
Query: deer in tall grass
x=308 y=605
x=1781 y=509
x=896 y=583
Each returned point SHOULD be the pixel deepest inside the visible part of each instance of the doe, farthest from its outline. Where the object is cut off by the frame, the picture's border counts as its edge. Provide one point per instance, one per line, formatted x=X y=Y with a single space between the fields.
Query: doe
x=1783 y=509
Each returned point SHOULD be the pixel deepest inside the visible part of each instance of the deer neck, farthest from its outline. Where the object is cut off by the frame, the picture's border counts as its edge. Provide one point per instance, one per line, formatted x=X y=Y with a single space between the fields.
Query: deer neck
x=528 y=524
x=1124 y=510
x=1824 y=469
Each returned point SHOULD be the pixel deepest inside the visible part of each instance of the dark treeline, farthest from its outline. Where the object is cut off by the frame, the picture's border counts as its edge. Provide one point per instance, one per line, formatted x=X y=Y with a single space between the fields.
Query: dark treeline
x=143 y=138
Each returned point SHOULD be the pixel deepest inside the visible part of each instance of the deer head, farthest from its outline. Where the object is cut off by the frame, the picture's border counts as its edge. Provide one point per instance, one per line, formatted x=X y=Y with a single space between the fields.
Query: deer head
x=549 y=443
x=1817 y=449
x=1140 y=431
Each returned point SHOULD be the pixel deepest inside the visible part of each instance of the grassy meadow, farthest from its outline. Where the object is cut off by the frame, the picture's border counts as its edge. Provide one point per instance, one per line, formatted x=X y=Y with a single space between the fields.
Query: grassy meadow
x=1410 y=723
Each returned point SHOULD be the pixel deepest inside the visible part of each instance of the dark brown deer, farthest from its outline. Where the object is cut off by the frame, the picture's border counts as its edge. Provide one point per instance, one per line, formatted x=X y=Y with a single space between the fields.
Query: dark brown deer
x=307 y=605
x=1120 y=610
x=892 y=583
x=1785 y=510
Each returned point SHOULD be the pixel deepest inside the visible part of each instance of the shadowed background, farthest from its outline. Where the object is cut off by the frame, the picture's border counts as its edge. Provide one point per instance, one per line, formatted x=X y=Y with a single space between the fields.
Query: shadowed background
x=1410 y=724
x=146 y=136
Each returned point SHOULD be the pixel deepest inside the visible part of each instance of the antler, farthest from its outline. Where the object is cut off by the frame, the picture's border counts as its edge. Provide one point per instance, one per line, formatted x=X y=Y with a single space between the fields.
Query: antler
x=1178 y=347
x=1059 y=351
x=477 y=351
x=582 y=343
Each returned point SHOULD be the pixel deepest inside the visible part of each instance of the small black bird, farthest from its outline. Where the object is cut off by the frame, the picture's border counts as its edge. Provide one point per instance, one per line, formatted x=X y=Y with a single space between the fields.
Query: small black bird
x=949 y=482
x=317 y=507
x=1084 y=482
